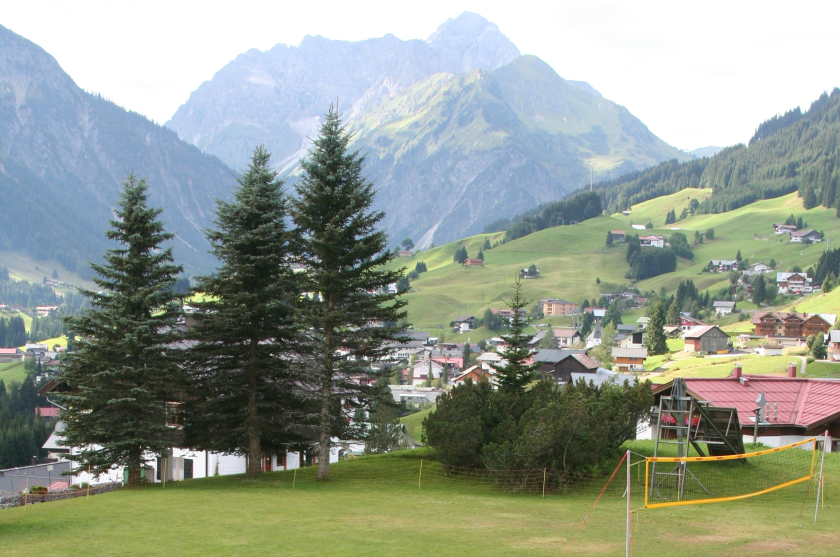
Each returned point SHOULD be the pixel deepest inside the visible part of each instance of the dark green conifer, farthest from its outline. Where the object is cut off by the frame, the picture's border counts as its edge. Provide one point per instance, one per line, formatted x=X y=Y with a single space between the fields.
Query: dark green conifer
x=344 y=255
x=655 y=340
x=514 y=375
x=240 y=369
x=121 y=376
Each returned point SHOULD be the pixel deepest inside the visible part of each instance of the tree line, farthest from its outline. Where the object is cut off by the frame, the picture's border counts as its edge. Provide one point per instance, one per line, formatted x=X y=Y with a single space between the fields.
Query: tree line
x=262 y=367
x=22 y=432
x=791 y=153
x=576 y=208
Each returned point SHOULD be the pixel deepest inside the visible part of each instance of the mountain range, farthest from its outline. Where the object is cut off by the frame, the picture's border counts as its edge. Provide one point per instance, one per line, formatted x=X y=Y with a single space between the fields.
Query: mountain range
x=459 y=130
x=63 y=152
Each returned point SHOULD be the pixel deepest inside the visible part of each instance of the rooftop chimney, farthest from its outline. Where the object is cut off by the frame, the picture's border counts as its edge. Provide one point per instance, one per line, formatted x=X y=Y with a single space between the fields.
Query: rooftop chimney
x=792 y=370
x=737 y=371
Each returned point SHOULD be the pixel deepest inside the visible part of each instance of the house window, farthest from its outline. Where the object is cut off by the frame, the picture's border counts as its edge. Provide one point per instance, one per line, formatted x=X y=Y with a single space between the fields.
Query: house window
x=188 y=468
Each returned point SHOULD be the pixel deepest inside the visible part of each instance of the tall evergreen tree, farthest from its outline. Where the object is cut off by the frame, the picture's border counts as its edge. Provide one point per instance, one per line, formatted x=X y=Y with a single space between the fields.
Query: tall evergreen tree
x=514 y=375
x=673 y=316
x=655 y=340
x=246 y=339
x=759 y=290
x=122 y=375
x=344 y=255
x=466 y=356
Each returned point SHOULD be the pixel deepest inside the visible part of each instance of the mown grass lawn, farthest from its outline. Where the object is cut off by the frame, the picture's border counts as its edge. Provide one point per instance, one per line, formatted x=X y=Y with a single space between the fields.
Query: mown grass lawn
x=374 y=507
x=722 y=367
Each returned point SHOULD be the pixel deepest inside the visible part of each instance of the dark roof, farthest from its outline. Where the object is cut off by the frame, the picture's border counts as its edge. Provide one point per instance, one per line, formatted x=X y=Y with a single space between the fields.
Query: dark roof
x=413 y=335
x=554 y=356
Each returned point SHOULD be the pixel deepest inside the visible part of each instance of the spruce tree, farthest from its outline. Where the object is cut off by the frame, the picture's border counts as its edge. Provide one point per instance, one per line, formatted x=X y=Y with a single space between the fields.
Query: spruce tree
x=245 y=336
x=673 y=315
x=513 y=376
x=344 y=255
x=122 y=375
x=655 y=340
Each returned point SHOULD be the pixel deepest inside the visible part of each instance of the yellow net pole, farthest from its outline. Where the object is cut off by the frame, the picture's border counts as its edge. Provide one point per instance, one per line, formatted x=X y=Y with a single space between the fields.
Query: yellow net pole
x=647 y=476
x=820 y=481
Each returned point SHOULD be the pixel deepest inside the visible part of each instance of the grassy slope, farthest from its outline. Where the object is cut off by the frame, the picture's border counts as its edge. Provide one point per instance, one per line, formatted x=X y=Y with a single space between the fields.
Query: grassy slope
x=12 y=371
x=414 y=424
x=373 y=507
x=722 y=367
x=22 y=267
x=570 y=258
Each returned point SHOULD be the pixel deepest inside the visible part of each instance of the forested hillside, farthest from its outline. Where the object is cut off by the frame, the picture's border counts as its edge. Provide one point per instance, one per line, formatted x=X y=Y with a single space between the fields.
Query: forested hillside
x=796 y=152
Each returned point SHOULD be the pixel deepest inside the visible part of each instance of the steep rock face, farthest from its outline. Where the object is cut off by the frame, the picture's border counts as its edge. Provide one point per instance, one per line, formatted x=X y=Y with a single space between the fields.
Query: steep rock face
x=276 y=97
x=452 y=153
x=62 y=152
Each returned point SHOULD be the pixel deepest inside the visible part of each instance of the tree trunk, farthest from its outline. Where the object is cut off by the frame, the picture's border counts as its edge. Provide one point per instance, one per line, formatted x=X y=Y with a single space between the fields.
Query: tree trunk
x=324 y=428
x=254 y=452
x=326 y=397
x=135 y=470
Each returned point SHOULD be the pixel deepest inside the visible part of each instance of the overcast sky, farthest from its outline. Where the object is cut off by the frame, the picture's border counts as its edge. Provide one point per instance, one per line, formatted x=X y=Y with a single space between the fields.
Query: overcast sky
x=697 y=73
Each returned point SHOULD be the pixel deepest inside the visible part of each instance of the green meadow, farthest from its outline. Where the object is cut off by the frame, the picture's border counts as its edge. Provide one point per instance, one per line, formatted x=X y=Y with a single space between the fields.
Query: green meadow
x=571 y=258
x=380 y=505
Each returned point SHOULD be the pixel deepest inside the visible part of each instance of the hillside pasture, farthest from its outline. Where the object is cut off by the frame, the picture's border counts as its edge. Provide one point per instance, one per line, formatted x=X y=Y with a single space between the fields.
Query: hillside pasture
x=571 y=258
x=709 y=367
x=12 y=372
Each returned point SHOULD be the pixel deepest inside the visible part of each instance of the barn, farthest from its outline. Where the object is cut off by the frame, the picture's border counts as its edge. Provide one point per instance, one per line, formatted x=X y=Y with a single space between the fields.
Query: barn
x=708 y=339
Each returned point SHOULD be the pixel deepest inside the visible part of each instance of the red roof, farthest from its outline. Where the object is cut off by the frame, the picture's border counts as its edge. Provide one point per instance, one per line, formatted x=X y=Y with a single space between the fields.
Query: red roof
x=8 y=352
x=50 y=412
x=802 y=401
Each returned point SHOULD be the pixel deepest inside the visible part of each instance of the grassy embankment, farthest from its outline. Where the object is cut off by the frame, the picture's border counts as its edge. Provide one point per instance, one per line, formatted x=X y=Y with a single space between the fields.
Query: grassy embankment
x=12 y=372
x=380 y=506
x=570 y=258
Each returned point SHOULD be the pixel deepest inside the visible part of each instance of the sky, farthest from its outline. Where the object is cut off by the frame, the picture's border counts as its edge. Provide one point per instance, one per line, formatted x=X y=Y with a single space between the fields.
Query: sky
x=696 y=73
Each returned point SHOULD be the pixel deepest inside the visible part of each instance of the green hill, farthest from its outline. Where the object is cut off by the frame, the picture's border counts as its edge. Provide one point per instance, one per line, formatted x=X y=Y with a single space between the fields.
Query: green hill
x=452 y=153
x=795 y=152
x=571 y=258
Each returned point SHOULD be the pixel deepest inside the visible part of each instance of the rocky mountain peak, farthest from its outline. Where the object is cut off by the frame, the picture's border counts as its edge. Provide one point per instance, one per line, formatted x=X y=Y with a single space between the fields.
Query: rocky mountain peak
x=473 y=40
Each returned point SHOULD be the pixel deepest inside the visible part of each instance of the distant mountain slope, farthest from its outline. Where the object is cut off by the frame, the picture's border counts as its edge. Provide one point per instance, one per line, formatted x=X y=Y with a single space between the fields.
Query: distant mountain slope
x=276 y=97
x=62 y=151
x=459 y=130
x=795 y=152
x=452 y=153
x=705 y=152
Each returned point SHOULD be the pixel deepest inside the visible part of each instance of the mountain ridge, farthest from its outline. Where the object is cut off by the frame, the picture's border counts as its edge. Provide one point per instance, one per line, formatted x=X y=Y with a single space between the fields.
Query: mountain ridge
x=61 y=153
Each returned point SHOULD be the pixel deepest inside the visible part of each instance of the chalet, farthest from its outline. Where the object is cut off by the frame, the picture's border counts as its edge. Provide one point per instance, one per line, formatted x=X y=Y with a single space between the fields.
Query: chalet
x=706 y=340
x=507 y=314
x=653 y=241
x=769 y=350
x=671 y=331
x=629 y=359
x=488 y=359
x=723 y=308
x=783 y=228
x=722 y=265
x=636 y=339
x=473 y=262
x=536 y=339
x=556 y=307
x=797 y=408
x=451 y=360
x=567 y=337
x=464 y=323
x=420 y=371
x=474 y=373
x=601 y=376
x=414 y=336
x=8 y=355
x=617 y=235
x=805 y=236
x=758 y=268
x=833 y=347
x=626 y=212
x=44 y=311
x=798 y=283
x=404 y=253
x=778 y=324
x=687 y=322
x=560 y=364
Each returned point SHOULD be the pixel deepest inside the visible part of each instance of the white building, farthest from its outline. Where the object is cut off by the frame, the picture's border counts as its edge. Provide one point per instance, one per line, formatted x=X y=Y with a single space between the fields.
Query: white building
x=724 y=308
